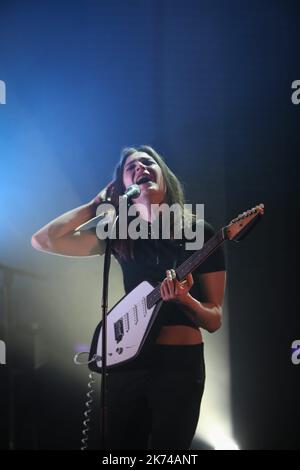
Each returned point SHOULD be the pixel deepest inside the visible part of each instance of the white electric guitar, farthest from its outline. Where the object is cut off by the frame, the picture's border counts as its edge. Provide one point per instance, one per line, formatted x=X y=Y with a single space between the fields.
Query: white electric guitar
x=131 y=319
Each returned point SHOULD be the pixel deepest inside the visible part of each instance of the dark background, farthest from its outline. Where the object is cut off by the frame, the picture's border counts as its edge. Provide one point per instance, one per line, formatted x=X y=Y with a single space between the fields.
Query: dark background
x=206 y=83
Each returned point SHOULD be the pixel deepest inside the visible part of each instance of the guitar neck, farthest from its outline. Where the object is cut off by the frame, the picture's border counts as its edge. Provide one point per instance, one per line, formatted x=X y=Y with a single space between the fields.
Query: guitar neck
x=191 y=263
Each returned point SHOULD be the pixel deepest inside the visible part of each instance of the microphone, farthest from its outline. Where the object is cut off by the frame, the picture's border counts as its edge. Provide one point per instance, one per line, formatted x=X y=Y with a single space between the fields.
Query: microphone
x=92 y=223
x=131 y=192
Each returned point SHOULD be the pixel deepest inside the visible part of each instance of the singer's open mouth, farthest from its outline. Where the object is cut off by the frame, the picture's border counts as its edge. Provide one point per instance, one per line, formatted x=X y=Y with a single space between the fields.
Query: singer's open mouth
x=145 y=179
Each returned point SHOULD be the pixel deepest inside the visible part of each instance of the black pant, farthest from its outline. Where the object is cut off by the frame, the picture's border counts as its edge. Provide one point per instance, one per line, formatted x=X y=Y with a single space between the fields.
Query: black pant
x=157 y=406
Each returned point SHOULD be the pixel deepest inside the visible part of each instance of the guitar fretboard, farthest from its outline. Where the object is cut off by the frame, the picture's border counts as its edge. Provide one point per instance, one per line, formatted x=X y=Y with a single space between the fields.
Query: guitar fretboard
x=190 y=264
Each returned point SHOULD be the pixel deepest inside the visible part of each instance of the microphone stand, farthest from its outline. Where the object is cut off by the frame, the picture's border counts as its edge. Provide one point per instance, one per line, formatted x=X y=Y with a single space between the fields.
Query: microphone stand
x=104 y=306
x=132 y=192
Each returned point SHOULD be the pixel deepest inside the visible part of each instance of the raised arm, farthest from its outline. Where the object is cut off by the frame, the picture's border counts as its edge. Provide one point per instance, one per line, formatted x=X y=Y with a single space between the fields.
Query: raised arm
x=59 y=235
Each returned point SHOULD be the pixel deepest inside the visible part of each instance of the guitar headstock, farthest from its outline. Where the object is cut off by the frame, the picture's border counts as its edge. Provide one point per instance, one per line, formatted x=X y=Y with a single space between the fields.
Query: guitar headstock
x=239 y=227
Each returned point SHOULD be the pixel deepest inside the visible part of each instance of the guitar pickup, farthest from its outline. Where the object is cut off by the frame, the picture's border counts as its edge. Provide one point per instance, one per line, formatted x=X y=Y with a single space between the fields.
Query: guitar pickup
x=144 y=307
x=119 y=330
x=135 y=314
x=126 y=322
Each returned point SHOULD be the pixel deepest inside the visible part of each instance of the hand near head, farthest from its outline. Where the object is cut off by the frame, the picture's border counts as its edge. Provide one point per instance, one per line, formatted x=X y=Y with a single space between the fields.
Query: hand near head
x=105 y=194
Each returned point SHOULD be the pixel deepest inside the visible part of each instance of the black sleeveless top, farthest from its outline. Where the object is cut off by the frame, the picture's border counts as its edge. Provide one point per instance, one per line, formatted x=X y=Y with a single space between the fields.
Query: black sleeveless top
x=151 y=260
